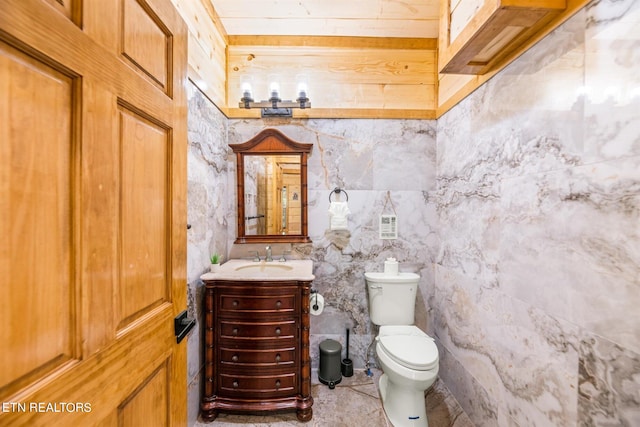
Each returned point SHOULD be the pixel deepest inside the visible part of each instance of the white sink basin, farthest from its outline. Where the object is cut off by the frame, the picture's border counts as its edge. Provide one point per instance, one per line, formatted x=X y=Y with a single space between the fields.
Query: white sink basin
x=243 y=270
x=265 y=267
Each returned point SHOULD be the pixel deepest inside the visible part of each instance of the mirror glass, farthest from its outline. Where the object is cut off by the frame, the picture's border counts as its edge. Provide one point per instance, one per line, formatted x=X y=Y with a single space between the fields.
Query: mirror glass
x=272 y=202
x=272 y=188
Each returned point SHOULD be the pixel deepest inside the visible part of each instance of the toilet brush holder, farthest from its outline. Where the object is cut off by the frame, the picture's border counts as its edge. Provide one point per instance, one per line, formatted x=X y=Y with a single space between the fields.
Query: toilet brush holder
x=329 y=371
x=347 y=364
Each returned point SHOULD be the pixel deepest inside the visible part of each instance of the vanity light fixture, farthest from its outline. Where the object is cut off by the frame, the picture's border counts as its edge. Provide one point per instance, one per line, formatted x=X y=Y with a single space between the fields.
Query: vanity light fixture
x=274 y=106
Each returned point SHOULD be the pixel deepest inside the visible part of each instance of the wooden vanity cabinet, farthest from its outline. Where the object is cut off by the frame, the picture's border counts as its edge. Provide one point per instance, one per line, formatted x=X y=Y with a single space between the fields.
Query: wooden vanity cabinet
x=256 y=348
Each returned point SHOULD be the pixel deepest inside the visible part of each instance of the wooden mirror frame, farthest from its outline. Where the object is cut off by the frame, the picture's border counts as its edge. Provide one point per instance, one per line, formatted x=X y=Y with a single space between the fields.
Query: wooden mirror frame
x=271 y=142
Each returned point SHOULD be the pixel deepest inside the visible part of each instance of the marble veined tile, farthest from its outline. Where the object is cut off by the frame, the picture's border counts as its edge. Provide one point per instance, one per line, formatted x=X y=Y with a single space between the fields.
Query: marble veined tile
x=364 y=154
x=207 y=173
x=470 y=222
x=570 y=245
x=612 y=81
x=338 y=161
x=443 y=409
x=473 y=398
x=520 y=355
x=609 y=384
x=414 y=150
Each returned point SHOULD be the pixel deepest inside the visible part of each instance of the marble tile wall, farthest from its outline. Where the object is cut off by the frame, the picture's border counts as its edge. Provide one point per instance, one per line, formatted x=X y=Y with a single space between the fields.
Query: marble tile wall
x=369 y=159
x=207 y=213
x=538 y=200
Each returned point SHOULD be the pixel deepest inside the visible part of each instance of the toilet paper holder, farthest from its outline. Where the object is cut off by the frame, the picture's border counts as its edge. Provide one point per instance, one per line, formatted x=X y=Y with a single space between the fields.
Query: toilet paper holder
x=314 y=297
x=316 y=303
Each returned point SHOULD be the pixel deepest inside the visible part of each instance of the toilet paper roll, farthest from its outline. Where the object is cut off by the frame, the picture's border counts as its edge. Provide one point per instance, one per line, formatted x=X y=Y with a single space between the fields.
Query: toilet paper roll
x=316 y=304
x=391 y=267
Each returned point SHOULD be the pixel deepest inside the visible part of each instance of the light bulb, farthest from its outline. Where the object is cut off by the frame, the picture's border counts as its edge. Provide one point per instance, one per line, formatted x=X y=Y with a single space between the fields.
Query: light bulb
x=274 y=88
x=302 y=90
x=246 y=90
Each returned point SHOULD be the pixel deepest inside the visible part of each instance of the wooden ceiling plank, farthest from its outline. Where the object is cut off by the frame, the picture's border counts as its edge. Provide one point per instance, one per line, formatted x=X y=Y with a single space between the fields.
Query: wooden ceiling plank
x=374 y=68
x=268 y=51
x=337 y=42
x=340 y=9
x=426 y=28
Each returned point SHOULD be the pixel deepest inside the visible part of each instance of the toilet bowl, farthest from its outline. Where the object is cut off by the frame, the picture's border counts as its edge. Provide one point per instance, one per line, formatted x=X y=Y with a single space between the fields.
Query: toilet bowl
x=409 y=359
x=407 y=356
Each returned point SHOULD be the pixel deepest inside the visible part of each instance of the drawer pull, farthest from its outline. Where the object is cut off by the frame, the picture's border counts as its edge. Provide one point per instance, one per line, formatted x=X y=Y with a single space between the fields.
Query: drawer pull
x=278 y=304
x=235 y=303
x=278 y=331
x=277 y=383
x=235 y=331
x=235 y=384
x=234 y=358
x=278 y=357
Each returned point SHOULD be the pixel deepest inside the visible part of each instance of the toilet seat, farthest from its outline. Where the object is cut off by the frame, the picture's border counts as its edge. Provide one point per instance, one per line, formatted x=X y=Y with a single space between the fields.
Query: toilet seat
x=415 y=351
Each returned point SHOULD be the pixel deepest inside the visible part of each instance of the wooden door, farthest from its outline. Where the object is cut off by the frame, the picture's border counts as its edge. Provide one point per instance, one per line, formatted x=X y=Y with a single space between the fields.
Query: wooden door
x=92 y=213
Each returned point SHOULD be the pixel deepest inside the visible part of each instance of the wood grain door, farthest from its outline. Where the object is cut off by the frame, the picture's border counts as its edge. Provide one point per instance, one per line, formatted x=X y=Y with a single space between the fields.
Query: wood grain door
x=92 y=213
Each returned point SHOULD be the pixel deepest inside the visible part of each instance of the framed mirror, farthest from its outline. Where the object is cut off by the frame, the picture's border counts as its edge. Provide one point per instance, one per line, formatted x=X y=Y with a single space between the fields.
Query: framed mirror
x=272 y=189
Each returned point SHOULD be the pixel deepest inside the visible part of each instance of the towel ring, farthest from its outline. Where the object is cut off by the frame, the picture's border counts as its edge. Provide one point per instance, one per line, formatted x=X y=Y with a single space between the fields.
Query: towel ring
x=338 y=191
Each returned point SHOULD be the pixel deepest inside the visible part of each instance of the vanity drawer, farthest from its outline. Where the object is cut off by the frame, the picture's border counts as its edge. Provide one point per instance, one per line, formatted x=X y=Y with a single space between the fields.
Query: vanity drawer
x=272 y=385
x=236 y=330
x=232 y=357
x=276 y=304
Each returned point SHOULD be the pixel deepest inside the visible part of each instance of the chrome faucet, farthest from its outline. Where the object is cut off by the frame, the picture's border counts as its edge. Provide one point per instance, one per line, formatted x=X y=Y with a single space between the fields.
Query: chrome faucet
x=268 y=257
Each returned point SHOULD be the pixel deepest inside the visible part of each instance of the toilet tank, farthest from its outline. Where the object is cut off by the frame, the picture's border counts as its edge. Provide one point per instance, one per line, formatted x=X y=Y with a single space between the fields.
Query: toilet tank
x=392 y=298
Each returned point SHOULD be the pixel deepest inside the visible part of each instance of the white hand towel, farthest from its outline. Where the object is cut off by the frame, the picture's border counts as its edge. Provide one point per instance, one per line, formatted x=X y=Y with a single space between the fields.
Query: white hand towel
x=338 y=212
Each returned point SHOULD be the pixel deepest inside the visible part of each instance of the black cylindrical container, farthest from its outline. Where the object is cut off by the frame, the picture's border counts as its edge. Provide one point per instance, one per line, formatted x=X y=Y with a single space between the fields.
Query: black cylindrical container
x=329 y=371
x=347 y=364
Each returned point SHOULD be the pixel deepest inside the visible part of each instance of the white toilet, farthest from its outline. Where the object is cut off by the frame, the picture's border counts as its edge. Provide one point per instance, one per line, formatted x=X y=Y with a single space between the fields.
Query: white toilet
x=408 y=357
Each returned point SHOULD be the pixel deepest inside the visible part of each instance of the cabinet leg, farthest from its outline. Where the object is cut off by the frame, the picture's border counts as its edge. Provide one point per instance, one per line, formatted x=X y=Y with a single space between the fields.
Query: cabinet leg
x=304 y=415
x=209 y=415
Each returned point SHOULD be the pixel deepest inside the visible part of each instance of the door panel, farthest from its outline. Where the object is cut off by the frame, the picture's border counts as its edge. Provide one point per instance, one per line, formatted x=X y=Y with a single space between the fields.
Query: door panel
x=152 y=393
x=36 y=218
x=146 y=42
x=145 y=152
x=69 y=8
x=92 y=213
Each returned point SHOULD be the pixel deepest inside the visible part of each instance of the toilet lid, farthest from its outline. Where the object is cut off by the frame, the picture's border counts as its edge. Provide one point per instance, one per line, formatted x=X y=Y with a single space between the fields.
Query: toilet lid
x=414 y=352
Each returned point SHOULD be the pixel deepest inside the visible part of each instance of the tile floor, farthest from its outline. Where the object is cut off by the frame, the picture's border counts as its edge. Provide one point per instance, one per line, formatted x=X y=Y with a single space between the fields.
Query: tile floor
x=354 y=402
